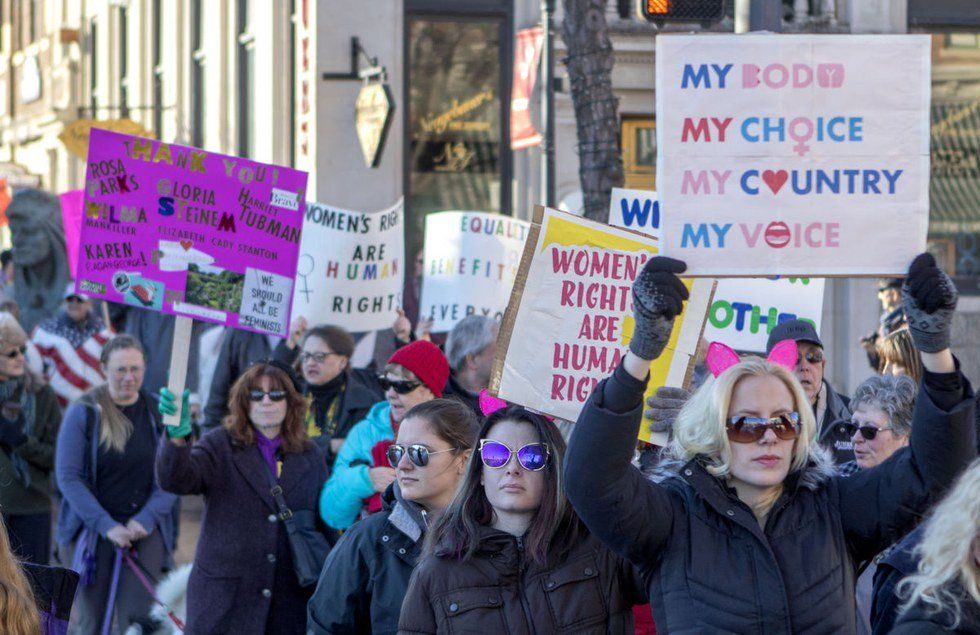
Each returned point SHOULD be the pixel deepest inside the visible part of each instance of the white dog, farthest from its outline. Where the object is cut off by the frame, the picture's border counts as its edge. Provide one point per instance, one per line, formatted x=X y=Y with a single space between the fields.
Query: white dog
x=172 y=591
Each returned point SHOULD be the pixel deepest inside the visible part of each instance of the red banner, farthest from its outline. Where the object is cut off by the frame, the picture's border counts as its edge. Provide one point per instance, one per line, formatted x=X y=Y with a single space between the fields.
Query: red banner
x=527 y=54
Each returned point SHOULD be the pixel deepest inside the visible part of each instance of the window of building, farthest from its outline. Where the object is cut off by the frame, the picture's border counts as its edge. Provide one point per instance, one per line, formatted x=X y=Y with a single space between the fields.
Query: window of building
x=246 y=81
x=157 y=62
x=457 y=147
x=123 y=62
x=197 y=73
x=639 y=141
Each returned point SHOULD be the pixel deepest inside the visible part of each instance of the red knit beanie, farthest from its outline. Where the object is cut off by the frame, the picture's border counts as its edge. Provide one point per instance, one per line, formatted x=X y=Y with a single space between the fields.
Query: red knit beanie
x=427 y=362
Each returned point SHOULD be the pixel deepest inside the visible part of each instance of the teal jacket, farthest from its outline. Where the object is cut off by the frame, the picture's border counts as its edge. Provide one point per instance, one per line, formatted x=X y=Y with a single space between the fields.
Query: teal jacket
x=349 y=484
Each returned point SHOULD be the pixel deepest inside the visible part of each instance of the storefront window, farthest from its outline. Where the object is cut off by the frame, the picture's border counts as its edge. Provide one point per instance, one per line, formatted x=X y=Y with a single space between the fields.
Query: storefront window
x=454 y=120
x=639 y=153
x=954 y=222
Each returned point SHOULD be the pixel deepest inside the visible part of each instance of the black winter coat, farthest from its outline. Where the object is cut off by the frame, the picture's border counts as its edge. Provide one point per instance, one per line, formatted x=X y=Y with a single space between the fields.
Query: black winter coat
x=920 y=620
x=243 y=581
x=366 y=575
x=501 y=590
x=710 y=566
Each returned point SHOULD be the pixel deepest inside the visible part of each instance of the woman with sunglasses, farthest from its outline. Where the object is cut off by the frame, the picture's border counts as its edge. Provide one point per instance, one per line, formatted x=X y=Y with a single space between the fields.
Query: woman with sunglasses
x=746 y=528
x=29 y=420
x=510 y=555
x=368 y=571
x=338 y=396
x=244 y=579
x=111 y=500
x=415 y=374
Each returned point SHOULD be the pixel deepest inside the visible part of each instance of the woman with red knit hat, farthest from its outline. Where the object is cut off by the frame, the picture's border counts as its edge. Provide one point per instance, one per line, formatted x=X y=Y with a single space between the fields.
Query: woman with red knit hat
x=415 y=374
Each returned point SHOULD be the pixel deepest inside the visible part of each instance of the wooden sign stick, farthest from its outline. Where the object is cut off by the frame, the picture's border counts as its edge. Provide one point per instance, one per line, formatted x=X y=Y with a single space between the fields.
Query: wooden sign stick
x=179 y=352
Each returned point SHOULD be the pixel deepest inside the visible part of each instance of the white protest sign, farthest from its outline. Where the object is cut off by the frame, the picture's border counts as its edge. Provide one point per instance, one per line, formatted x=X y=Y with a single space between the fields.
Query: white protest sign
x=351 y=267
x=471 y=260
x=793 y=154
x=744 y=310
x=638 y=210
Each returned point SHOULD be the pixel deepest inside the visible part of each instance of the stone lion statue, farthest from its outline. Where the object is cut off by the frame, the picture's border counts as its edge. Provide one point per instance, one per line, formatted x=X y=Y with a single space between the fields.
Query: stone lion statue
x=40 y=260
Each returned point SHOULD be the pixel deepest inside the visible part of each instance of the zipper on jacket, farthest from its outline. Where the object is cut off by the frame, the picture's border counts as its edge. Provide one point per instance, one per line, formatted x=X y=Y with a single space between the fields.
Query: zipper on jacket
x=521 y=569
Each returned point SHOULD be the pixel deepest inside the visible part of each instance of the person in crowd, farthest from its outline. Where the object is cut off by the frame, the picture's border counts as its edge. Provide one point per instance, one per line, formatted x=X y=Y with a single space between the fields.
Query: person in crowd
x=892 y=318
x=338 y=395
x=29 y=420
x=155 y=331
x=470 y=348
x=35 y=363
x=367 y=574
x=898 y=356
x=828 y=405
x=243 y=580
x=880 y=425
x=511 y=546
x=71 y=344
x=745 y=487
x=415 y=374
x=110 y=498
x=944 y=595
x=239 y=350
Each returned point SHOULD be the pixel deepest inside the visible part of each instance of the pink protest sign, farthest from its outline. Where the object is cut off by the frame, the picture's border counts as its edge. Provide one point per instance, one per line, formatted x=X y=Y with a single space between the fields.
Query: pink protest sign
x=71 y=218
x=189 y=232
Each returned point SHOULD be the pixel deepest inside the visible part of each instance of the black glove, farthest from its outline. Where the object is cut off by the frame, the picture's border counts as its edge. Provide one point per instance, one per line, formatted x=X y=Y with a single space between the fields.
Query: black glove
x=662 y=407
x=929 y=299
x=658 y=298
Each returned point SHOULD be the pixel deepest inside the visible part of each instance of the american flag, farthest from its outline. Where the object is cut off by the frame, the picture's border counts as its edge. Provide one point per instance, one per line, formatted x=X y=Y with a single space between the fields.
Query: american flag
x=71 y=354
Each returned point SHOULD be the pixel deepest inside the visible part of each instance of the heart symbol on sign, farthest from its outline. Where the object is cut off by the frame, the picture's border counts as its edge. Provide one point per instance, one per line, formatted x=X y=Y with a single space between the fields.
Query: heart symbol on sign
x=187 y=244
x=775 y=179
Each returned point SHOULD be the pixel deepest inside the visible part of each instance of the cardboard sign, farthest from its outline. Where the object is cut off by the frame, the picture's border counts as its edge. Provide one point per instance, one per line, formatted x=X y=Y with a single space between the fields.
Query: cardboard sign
x=351 y=267
x=76 y=135
x=570 y=317
x=744 y=310
x=189 y=232
x=793 y=154
x=471 y=261
x=638 y=210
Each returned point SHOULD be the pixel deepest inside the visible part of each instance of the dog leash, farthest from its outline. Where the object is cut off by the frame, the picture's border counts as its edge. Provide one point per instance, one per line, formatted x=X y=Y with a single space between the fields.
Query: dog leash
x=145 y=577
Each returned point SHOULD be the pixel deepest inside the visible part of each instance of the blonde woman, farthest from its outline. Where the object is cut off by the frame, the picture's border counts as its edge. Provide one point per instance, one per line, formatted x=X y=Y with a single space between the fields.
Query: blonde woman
x=945 y=595
x=111 y=499
x=747 y=528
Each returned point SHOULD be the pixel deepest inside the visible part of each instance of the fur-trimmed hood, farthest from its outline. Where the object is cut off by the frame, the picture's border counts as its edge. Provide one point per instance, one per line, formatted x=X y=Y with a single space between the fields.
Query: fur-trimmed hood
x=817 y=472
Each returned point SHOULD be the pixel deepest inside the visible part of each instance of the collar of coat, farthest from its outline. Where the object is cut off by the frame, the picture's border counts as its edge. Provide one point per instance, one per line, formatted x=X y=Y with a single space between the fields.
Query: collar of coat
x=406 y=516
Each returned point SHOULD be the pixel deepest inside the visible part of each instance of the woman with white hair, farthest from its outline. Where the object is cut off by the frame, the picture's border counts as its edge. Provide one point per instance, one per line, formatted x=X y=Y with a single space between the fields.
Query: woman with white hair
x=944 y=597
x=881 y=420
x=747 y=528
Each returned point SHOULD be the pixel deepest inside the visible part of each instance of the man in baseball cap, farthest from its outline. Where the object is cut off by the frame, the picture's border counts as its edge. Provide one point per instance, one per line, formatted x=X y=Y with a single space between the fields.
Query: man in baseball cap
x=829 y=407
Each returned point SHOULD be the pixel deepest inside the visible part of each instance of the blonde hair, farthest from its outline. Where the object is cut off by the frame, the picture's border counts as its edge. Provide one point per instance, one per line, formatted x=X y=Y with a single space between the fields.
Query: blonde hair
x=701 y=426
x=11 y=332
x=946 y=551
x=18 y=611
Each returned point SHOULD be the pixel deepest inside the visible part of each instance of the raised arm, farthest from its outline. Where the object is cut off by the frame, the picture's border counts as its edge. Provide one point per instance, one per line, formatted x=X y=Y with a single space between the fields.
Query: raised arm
x=630 y=514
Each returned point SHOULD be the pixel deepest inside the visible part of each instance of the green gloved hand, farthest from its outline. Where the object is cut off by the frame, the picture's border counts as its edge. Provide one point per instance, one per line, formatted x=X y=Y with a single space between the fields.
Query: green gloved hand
x=168 y=406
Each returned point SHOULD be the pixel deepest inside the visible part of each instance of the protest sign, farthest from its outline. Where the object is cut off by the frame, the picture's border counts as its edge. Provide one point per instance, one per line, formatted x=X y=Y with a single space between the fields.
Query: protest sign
x=570 y=316
x=189 y=232
x=638 y=210
x=793 y=154
x=744 y=310
x=471 y=261
x=351 y=267
x=71 y=220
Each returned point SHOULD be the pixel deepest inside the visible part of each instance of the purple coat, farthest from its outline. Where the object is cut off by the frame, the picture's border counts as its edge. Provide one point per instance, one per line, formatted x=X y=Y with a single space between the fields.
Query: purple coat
x=243 y=578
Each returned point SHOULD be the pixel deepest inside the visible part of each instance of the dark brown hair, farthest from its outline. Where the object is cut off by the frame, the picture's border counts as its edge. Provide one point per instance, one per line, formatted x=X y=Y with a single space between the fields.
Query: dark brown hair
x=451 y=420
x=553 y=531
x=238 y=424
x=338 y=339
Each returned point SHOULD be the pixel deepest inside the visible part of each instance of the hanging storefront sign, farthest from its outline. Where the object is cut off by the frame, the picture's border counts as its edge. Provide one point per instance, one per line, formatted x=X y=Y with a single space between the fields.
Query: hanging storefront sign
x=76 y=134
x=527 y=54
x=372 y=116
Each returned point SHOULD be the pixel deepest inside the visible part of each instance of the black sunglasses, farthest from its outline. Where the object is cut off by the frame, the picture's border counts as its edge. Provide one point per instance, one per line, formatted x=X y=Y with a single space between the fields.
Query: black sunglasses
x=258 y=395
x=401 y=386
x=869 y=432
x=20 y=350
x=417 y=454
x=813 y=357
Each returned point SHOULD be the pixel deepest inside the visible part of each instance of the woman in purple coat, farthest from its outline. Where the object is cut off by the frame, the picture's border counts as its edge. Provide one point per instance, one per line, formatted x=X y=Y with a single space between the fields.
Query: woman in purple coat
x=243 y=579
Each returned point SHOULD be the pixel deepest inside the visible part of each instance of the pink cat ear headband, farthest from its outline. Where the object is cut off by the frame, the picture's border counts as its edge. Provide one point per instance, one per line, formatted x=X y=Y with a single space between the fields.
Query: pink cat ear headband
x=490 y=404
x=721 y=357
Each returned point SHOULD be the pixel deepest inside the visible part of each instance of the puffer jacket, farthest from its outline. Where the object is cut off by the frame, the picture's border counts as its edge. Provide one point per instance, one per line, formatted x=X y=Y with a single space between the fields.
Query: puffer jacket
x=501 y=590
x=710 y=566
x=349 y=484
x=364 y=580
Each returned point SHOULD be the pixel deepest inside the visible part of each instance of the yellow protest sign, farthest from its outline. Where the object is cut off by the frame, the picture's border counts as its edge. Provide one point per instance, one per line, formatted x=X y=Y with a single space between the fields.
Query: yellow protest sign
x=76 y=134
x=570 y=317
